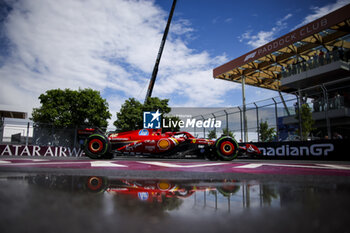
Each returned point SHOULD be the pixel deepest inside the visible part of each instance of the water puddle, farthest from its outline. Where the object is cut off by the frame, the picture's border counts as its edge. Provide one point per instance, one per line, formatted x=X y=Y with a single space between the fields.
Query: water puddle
x=57 y=203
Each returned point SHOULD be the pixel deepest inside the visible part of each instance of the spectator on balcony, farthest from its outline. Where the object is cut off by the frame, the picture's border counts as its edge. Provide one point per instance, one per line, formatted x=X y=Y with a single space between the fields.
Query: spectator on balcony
x=294 y=69
x=289 y=70
x=316 y=104
x=337 y=101
x=309 y=63
x=322 y=104
x=328 y=57
x=283 y=71
x=314 y=58
x=298 y=67
x=304 y=65
x=321 y=57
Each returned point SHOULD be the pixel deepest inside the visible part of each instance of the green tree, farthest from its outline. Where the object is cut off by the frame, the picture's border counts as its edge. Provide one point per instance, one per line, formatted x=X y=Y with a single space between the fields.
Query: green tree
x=268 y=194
x=154 y=103
x=266 y=134
x=226 y=132
x=306 y=121
x=130 y=116
x=212 y=134
x=67 y=107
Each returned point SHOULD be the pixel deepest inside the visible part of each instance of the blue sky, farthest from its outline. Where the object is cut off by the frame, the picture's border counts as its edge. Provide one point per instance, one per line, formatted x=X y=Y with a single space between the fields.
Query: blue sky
x=111 y=46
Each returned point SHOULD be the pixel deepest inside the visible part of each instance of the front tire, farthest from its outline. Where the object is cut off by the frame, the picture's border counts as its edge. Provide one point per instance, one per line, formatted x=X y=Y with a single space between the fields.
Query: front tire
x=226 y=148
x=97 y=146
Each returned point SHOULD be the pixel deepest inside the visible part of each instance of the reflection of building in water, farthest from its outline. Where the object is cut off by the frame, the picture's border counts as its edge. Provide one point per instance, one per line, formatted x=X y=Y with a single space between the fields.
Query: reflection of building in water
x=183 y=197
x=56 y=203
x=162 y=195
x=244 y=195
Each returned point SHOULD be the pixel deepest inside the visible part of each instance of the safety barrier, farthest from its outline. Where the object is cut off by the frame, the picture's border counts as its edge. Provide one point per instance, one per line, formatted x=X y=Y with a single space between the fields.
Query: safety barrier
x=40 y=151
x=305 y=150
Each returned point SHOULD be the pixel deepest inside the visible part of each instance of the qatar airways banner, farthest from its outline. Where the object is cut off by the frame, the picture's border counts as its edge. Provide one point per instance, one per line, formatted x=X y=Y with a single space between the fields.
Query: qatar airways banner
x=42 y=151
x=320 y=149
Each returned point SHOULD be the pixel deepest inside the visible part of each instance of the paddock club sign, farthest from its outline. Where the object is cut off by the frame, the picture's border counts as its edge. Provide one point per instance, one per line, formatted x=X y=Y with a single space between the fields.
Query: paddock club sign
x=298 y=34
x=322 y=149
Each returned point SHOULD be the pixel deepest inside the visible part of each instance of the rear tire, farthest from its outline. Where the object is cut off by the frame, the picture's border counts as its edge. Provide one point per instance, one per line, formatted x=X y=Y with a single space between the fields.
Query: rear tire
x=97 y=146
x=96 y=184
x=226 y=148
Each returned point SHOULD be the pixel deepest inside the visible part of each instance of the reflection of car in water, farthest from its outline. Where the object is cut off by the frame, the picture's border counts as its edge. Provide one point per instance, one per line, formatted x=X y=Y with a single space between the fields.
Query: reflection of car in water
x=154 y=142
x=154 y=190
x=150 y=190
x=143 y=190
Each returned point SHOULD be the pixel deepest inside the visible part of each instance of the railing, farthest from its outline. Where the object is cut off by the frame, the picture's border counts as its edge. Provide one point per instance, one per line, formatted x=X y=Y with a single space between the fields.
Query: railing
x=274 y=110
x=319 y=59
x=28 y=133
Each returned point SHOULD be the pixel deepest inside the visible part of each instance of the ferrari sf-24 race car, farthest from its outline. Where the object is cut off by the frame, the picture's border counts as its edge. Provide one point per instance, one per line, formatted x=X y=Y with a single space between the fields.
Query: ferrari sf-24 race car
x=154 y=142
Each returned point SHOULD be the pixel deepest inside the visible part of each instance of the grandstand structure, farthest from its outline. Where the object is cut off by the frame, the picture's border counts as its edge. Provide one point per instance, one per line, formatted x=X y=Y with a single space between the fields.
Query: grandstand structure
x=311 y=62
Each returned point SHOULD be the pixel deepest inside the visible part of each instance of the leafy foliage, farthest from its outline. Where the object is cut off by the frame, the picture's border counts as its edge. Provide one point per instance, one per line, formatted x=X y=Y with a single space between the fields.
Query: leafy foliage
x=130 y=116
x=212 y=134
x=266 y=134
x=67 y=107
x=226 y=132
x=154 y=103
x=306 y=121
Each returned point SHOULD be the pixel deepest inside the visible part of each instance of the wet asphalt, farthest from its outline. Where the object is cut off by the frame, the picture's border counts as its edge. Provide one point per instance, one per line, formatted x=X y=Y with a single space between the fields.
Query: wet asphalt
x=153 y=201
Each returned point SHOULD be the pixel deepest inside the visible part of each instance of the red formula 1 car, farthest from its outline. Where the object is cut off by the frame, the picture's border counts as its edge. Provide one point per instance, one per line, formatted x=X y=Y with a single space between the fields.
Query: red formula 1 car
x=154 y=142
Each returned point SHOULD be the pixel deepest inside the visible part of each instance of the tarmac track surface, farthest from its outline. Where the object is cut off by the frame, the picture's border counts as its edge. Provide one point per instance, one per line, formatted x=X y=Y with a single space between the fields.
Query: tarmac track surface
x=170 y=168
x=43 y=194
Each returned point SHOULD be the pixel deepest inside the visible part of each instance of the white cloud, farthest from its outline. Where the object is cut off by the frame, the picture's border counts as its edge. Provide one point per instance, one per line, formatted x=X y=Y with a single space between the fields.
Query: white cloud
x=264 y=37
x=109 y=46
x=318 y=12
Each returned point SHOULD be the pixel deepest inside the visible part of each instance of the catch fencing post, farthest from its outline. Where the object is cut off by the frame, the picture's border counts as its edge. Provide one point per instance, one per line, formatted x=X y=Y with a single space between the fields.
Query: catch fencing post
x=257 y=121
x=277 y=133
x=27 y=134
x=214 y=123
x=226 y=120
x=240 y=117
x=203 y=127
x=325 y=96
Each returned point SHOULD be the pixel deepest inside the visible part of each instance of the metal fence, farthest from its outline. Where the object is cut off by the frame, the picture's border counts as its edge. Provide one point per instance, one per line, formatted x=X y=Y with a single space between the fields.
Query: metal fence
x=244 y=123
x=279 y=112
x=28 y=133
x=327 y=102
